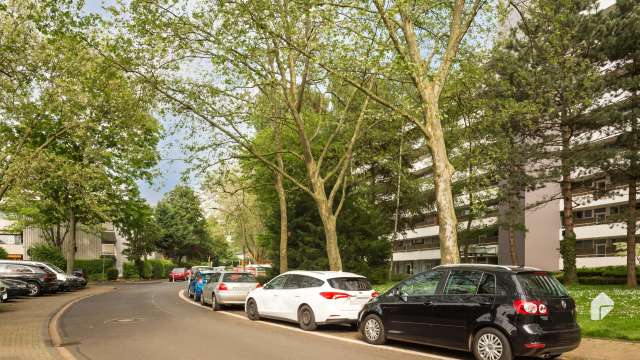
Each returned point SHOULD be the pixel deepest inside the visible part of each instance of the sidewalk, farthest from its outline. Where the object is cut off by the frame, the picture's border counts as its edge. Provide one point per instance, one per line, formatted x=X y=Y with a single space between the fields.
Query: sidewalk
x=599 y=349
x=24 y=324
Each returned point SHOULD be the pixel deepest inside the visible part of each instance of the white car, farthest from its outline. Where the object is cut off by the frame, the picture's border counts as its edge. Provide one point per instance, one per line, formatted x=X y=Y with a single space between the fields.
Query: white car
x=311 y=298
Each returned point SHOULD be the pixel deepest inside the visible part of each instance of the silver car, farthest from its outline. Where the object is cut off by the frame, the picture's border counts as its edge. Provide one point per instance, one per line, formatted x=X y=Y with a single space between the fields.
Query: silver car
x=228 y=288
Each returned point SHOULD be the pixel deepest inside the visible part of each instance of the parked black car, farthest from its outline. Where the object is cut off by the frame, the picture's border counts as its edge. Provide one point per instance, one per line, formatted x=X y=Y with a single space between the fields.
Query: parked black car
x=39 y=280
x=16 y=288
x=496 y=312
x=3 y=292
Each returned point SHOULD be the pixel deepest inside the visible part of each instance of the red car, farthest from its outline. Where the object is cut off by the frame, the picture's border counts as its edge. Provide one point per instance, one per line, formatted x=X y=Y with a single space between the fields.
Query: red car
x=178 y=274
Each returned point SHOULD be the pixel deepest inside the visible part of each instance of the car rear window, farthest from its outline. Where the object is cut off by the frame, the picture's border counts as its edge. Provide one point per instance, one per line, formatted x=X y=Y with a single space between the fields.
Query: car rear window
x=538 y=285
x=178 y=270
x=239 y=278
x=350 y=283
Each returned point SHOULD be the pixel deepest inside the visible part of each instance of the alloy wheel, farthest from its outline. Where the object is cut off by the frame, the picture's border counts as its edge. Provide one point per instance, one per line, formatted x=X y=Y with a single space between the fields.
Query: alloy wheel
x=372 y=329
x=33 y=289
x=490 y=347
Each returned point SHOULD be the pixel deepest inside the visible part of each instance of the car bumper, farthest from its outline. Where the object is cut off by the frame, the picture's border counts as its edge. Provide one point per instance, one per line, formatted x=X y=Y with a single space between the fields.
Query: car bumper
x=338 y=317
x=232 y=297
x=555 y=341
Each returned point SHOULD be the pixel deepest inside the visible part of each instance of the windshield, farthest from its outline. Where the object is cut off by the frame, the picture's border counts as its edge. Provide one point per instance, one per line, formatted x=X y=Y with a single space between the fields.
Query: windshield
x=239 y=278
x=178 y=270
x=350 y=283
x=538 y=285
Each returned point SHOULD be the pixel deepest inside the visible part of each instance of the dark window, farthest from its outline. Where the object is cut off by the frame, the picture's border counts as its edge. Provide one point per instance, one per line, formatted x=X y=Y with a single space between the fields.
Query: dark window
x=423 y=284
x=277 y=283
x=350 y=283
x=588 y=214
x=462 y=282
x=487 y=285
x=310 y=282
x=238 y=278
x=537 y=285
x=418 y=241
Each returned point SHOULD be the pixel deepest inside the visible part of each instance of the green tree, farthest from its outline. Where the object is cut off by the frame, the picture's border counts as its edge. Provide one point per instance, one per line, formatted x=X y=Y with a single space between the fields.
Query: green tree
x=135 y=220
x=94 y=164
x=546 y=61
x=183 y=225
x=620 y=47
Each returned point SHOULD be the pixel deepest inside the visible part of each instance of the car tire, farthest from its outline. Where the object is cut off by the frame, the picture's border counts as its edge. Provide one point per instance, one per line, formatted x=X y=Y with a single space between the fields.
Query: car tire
x=491 y=344
x=372 y=329
x=215 y=305
x=189 y=292
x=252 y=310
x=306 y=318
x=34 y=289
x=202 y=300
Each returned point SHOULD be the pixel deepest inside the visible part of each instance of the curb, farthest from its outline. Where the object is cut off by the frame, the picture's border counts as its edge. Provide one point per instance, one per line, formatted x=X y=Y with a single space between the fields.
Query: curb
x=54 y=333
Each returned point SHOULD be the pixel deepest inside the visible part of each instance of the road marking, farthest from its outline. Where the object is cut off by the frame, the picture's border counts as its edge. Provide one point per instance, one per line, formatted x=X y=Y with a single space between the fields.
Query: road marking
x=324 y=335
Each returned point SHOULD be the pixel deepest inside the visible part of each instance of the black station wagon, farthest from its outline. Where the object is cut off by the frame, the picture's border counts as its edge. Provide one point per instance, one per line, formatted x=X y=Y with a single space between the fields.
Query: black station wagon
x=496 y=312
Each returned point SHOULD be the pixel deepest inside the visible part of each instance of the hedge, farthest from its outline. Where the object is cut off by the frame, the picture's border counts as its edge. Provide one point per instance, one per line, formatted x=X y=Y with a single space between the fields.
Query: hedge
x=3 y=254
x=112 y=274
x=129 y=271
x=95 y=266
x=47 y=253
x=605 y=275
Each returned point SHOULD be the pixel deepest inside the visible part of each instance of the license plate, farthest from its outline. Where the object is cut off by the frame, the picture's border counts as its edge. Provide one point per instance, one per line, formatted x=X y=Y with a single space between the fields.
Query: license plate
x=4 y=296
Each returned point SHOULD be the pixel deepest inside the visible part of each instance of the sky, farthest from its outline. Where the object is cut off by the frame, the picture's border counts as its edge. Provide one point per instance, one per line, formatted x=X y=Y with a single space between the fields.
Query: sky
x=170 y=167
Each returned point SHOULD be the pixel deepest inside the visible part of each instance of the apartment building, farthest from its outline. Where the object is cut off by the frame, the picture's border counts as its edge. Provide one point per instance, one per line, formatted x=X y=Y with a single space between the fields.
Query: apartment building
x=90 y=245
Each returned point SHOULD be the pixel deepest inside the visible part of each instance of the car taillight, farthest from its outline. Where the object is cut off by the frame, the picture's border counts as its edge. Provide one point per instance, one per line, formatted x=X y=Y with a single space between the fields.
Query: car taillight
x=375 y=294
x=535 y=346
x=530 y=307
x=332 y=295
x=222 y=287
x=258 y=285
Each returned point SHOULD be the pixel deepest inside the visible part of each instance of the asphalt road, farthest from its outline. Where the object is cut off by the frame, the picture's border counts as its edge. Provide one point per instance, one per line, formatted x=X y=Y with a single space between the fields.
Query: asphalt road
x=151 y=321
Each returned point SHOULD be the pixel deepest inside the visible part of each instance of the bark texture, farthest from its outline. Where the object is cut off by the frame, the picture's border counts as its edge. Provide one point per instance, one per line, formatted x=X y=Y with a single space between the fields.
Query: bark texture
x=632 y=280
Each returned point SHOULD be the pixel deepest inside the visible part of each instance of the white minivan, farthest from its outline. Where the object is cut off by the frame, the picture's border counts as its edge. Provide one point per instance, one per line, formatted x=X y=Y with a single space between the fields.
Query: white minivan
x=311 y=298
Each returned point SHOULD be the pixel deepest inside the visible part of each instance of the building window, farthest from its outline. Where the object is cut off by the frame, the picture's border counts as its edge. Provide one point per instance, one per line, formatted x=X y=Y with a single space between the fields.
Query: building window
x=418 y=241
x=601 y=215
x=11 y=239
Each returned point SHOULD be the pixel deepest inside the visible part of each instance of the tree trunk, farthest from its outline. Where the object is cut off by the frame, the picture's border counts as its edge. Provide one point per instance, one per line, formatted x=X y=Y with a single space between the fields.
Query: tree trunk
x=330 y=233
x=282 y=201
x=512 y=218
x=568 y=245
x=71 y=249
x=632 y=281
x=442 y=174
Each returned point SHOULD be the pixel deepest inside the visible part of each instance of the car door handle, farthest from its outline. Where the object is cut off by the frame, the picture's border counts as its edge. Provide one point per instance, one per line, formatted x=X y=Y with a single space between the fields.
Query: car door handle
x=428 y=303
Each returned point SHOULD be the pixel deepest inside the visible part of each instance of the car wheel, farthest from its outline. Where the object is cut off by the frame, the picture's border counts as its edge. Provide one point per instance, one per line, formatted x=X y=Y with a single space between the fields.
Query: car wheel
x=373 y=331
x=202 y=300
x=252 y=310
x=189 y=292
x=491 y=344
x=34 y=289
x=306 y=318
x=215 y=306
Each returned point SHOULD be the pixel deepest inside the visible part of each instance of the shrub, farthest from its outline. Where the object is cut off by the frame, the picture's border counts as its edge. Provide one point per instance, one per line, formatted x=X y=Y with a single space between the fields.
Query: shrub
x=398 y=277
x=95 y=266
x=130 y=271
x=47 y=253
x=112 y=274
x=160 y=268
x=263 y=279
x=147 y=270
x=601 y=280
x=3 y=254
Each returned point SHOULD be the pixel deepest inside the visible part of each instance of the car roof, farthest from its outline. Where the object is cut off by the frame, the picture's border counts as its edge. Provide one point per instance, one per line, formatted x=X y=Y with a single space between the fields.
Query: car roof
x=324 y=274
x=489 y=267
